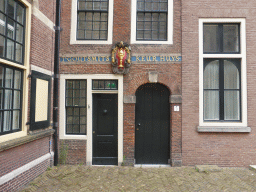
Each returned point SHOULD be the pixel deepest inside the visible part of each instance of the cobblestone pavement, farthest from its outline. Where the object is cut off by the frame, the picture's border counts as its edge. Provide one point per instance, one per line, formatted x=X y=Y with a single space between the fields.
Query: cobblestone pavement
x=90 y=178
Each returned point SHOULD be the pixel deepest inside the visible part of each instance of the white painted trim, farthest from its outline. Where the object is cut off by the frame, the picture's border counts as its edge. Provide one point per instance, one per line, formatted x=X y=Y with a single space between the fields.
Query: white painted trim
x=41 y=70
x=36 y=12
x=20 y=170
x=169 y=25
x=73 y=29
x=242 y=55
x=151 y=165
x=88 y=137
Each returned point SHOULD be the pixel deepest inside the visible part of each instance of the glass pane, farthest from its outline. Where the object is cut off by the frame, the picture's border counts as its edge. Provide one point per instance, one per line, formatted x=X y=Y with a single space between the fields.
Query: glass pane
x=10 y=49
x=69 y=84
x=75 y=120
x=82 y=111
x=1 y=76
x=76 y=93
x=69 y=128
x=8 y=99
x=96 y=35
x=147 y=17
x=82 y=120
x=231 y=38
x=104 y=26
x=10 y=8
x=76 y=111
x=82 y=93
x=20 y=14
x=163 y=7
x=76 y=101
x=80 y=34
x=104 y=17
x=96 y=5
x=89 y=25
x=88 y=5
x=19 y=52
x=211 y=105
x=68 y=101
x=155 y=6
x=2 y=46
x=101 y=84
x=81 y=25
x=96 y=25
x=113 y=85
x=2 y=7
x=147 y=34
x=148 y=6
x=1 y=99
x=82 y=102
x=83 y=84
x=162 y=16
x=76 y=84
x=139 y=34
x=211 y=40
x=103 y=34
x=83 y=129
x=17 y=80
x=148 y=25
x=7 y=121
x=16 y=120
x=69 y=111
x=69 y=93
x=76 y=129
x=140 y=25
x=2 y=23
x=81 y=5
x=107 y=84
x=8 y=78
x=140 y=17
x=81 y=16
x=70 y=120
x=140 y=6
x=231 y=75
x=104 y=6
x=10 y=28
x=231 y=105
x=211 y=75
x=16 y=100
x=88 y=34
x=96 y=17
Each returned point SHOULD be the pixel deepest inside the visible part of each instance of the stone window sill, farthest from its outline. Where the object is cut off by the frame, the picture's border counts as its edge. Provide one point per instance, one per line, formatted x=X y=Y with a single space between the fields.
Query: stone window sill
x=223 y=129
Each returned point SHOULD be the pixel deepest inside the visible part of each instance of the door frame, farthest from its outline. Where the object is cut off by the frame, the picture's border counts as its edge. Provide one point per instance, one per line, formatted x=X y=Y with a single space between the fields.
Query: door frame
x=89 y=137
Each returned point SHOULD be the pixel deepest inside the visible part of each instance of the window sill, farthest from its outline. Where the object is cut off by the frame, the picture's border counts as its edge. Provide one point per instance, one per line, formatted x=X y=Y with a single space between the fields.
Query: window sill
x=26 y=139
x=223 y=129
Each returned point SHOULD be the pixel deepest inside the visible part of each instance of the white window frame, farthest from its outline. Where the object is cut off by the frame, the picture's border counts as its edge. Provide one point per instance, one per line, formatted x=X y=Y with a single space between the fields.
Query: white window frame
x=169 y=25
x=88 y=136
x=241 y=55
x=73 y=29
x=25 y=68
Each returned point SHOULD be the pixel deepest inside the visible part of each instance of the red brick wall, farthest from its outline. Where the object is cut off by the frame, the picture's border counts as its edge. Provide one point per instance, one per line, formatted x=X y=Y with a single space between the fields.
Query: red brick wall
x=224 y=149
x=48 y=7
x=168 y=74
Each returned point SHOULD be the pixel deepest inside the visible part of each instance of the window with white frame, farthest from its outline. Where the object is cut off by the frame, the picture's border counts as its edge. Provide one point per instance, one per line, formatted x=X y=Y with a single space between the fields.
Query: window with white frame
x=153 y=20
x=222 y=72
x=91 y=22
x=12 y=46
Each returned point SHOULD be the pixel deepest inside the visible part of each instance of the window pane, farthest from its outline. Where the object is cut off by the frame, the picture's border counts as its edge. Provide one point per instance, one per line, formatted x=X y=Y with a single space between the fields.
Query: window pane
x=17 y=80
x=10 y=49
x=2 y=7
x=69 y=84
x=69 y=128
x=16 y=120
x=104 y=17
x=7 y=121
x=1 y=76
x=69 y=111
x=16 y=100
x=8 y=78
x=231 y=38
x=83 y=129
x=231 y=105
x=2 y=23
x=8 y=99
x=2 y=46
x=10 y=28
x=211 y=105
x=81 y=5
x=82 y=120
x=75 y=128
x=20 y=13
x=10 y=9
x=231 y=75
x=1 y=99
x=19 y=52
x=211 y=40
x=211 y=75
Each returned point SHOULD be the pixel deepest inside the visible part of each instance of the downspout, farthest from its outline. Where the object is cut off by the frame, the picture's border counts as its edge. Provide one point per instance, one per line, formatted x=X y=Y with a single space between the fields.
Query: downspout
x=56 y=81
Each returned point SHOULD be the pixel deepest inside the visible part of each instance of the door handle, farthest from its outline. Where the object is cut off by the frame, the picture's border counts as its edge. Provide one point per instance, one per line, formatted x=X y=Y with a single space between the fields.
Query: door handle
x=93 y=132
x=138 y=124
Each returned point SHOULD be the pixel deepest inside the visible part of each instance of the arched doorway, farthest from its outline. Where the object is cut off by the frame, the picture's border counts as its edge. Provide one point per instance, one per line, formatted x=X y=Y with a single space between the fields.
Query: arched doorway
x=152 y=124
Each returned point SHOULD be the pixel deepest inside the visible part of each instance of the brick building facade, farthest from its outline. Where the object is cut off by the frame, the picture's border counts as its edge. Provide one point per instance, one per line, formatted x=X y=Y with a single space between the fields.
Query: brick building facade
x=26 y=62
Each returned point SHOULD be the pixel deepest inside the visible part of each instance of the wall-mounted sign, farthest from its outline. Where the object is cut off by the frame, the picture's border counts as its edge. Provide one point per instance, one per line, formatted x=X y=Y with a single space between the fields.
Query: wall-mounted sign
x=143 y=59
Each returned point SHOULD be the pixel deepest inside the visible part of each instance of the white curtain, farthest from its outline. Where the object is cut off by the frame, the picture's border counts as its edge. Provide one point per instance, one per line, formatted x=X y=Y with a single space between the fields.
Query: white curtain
x=211 y=95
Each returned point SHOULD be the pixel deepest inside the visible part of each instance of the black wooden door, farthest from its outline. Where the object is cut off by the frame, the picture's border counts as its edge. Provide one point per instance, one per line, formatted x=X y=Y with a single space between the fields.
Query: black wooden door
x=152 y=124
x=104 y=129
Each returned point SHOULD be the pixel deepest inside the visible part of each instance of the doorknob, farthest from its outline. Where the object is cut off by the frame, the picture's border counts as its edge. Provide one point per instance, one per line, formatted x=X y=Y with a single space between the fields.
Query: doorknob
x=93 y=131
x=138 y=124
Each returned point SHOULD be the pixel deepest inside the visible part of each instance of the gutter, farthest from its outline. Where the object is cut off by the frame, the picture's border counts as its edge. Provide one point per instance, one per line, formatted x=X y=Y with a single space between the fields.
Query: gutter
x=56 y=81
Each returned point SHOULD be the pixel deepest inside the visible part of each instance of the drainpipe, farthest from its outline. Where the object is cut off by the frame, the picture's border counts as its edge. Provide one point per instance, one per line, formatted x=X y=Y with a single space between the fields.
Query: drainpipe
x=56 y=81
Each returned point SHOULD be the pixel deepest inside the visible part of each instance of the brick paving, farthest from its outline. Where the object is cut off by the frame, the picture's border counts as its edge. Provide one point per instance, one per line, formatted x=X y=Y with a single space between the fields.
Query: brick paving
x=90 y=178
